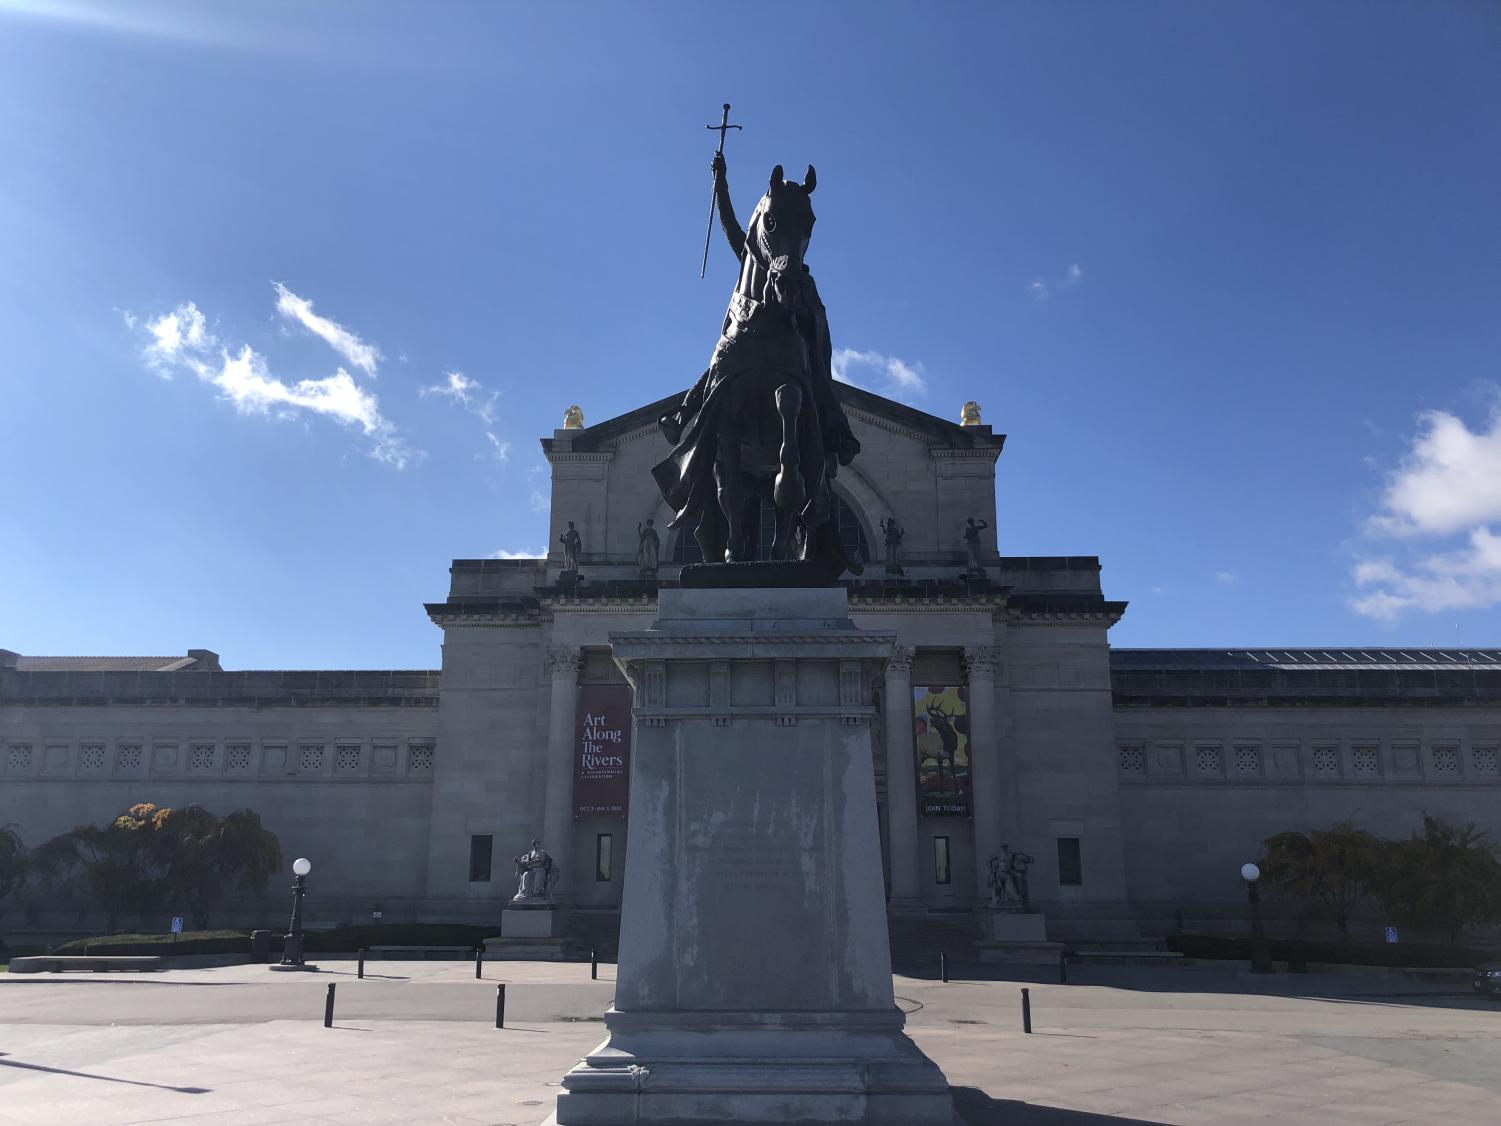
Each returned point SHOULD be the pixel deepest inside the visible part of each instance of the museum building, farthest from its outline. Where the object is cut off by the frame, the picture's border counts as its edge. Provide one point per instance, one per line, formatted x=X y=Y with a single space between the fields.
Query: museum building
x=1137 y=781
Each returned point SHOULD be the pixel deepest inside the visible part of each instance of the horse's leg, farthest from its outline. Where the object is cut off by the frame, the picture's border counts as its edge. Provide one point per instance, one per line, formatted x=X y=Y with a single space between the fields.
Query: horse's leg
x=787 y=492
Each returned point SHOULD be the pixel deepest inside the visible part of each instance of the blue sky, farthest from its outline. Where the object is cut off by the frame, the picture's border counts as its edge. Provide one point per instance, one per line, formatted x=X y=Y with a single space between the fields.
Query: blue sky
x=1229 y=278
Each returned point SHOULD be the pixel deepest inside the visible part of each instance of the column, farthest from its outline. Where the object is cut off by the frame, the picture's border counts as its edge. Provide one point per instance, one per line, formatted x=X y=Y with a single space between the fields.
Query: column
x=984 y=761
x=557 y=819
x=901 y=781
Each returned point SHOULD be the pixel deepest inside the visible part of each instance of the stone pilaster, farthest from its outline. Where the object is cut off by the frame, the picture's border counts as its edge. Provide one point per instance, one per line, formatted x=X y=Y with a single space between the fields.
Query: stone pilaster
x=901 y=781
x=557 y=818
x=985 y=772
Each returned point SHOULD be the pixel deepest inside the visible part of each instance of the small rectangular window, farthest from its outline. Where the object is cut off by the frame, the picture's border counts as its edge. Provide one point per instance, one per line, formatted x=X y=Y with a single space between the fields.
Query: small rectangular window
x=940 y=860
x=1070 y=863
x=604 y=858
x=481 y=849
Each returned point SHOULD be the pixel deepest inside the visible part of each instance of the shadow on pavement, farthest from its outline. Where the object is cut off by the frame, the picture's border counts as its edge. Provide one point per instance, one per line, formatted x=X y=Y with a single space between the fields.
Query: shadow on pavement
x=1352 y=988
x=105 y=1078
x=977 y=1108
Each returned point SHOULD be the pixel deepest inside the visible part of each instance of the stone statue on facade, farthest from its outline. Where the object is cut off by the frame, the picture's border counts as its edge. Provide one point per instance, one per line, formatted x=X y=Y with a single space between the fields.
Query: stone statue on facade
x=573 y=544
x=996 y=882
x=1016 y=870
x=649 y=549
x=763 y=419
x=972 y=530
x=893 y=533
x=535 y=875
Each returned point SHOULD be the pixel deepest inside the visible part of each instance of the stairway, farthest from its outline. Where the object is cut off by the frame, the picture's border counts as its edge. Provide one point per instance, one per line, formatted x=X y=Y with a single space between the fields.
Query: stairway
x=918 y=939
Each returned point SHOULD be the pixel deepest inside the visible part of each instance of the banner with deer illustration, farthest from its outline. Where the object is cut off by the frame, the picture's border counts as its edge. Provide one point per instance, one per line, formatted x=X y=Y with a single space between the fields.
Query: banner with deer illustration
x=940 y=717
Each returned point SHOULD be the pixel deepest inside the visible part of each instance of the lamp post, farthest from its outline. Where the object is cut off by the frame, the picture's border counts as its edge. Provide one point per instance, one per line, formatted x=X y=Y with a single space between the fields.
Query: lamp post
x=292 y=951
x=1261 y=961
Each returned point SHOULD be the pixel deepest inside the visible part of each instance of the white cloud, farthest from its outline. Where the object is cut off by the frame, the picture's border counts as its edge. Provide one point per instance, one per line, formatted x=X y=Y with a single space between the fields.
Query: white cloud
x=1465 y=578
x=886 y=375
x=539 y=501
x=357 y=352
x=1043 y=288
x=504 y=554
x=1449 y=480
x=174 y=335
x=472 y=397
x=180 y=341
x=1228 y=578
x=1438 y=506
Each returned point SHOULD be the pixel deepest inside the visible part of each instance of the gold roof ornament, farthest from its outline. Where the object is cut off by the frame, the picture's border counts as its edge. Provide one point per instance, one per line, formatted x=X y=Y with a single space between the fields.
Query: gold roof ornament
x=573 y=418
x=969 y=414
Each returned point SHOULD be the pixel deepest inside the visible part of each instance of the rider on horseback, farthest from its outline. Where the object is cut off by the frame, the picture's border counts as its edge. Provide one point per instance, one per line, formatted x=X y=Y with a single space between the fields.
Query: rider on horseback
x=774 y=348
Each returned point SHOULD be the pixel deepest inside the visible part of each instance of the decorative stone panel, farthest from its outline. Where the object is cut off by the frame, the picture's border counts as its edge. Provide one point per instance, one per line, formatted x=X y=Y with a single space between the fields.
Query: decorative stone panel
x=1209 y=760
x=164 y=756
x=1365 y=762
x=128 y=756
x=55 y=758
x=1405 y=759
x=91 y=758
x=1247 y=760
x=1285 y=758
x=420 y=760
x=310 y=760
x=1168 y=758
x=274 y=757
x=1325 y=762
x=202 y=757
x=383 y=758
x=1446 y=763
x=237 y=758
x=1484 y=762
x=1133 y=762
x=348 y=759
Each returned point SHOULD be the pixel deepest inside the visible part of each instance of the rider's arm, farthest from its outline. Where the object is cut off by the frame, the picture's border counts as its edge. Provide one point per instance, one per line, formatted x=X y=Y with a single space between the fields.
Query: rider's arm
x=732 y=229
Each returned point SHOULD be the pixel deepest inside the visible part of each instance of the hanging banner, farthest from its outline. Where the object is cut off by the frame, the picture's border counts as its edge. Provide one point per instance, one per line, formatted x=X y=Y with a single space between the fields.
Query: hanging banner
x=940 y=717
x=602 y=751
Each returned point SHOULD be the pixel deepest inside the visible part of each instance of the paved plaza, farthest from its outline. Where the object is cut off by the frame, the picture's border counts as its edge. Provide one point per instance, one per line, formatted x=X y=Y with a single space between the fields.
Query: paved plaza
x=416 y=1042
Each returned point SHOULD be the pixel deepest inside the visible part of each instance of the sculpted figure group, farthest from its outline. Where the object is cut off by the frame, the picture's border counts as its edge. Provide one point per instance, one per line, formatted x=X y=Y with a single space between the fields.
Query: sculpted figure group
x=1008 y=879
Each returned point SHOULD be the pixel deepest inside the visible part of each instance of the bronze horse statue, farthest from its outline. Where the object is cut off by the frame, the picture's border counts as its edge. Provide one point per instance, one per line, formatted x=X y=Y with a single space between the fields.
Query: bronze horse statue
x=763 y=419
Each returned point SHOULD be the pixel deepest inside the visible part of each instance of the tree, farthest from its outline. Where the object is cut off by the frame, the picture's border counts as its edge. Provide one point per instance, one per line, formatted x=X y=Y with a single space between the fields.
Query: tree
x=208 y=855
x=1330 y=868
x=1446 y=878
x=121 y=863
x=12 y=863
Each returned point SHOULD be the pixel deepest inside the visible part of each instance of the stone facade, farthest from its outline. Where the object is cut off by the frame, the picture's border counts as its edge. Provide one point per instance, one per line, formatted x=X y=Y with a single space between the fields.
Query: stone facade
x=1139 y=780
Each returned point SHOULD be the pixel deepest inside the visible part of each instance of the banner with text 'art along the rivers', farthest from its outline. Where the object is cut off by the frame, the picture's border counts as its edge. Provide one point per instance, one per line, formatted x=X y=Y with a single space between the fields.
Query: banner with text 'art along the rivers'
x=602 y=751
x=940 y=718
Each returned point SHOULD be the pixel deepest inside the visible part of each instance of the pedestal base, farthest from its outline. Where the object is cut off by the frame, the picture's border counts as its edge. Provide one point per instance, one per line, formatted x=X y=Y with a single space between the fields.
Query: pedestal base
x=527 y=934
x=528 y=922
x=735 y=1067
x=1017 y=938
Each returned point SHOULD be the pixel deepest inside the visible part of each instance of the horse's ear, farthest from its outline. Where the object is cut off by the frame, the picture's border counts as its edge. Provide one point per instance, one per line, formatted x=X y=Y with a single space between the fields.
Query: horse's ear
x=776 y=177
x=810 y=181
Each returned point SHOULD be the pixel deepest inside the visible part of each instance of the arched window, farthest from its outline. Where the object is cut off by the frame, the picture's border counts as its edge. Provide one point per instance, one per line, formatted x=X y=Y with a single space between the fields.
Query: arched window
x=851 y=534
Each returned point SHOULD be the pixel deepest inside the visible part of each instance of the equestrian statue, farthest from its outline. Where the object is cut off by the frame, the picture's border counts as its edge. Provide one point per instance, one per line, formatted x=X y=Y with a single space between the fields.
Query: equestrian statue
x=763 y=420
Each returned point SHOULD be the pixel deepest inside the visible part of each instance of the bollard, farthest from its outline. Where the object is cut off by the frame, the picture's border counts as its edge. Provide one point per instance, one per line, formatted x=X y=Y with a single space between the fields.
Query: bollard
x=500 y=1006
x=1026 y=1011
x=1062 y=967
x=479 y=960
x=943 y=967
x=593 y=964
x=328 y=1007
x=362 y=962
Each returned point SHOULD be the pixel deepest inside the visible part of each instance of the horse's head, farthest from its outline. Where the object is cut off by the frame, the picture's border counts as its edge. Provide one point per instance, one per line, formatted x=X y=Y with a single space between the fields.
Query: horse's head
x=781 y=227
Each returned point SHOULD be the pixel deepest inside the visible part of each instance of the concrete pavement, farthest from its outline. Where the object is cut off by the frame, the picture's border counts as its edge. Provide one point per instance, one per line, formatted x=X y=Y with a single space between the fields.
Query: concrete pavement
x=415 y=1042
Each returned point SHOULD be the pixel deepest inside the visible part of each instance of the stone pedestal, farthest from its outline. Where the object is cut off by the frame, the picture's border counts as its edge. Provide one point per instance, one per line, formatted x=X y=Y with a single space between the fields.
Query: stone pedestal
x=754 y=981
x=528 y=934
x=1017 y=937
